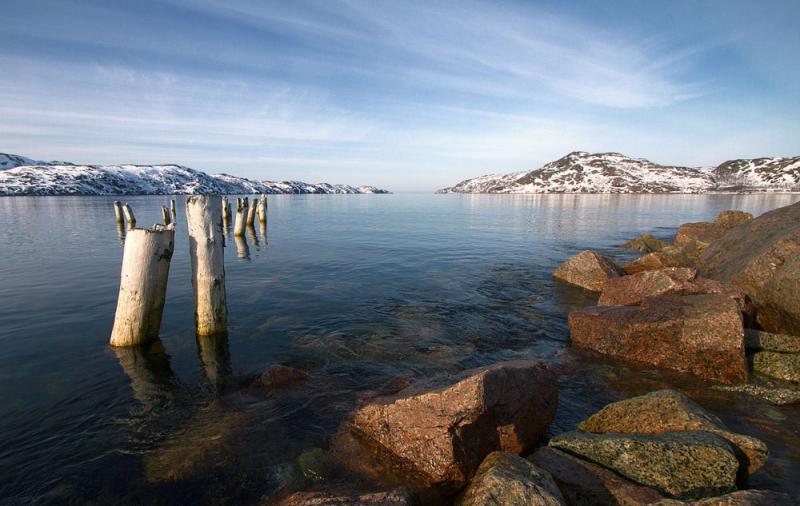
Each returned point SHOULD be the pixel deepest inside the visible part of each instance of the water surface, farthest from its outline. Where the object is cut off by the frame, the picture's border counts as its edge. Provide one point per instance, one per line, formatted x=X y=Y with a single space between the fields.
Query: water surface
x=364 y=292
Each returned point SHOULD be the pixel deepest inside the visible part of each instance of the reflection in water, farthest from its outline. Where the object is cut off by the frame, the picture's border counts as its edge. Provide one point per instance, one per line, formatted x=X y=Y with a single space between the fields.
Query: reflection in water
x=242 y=249
x=215 y=356
x=251 y=233
x=151 y=376
x=262 y=227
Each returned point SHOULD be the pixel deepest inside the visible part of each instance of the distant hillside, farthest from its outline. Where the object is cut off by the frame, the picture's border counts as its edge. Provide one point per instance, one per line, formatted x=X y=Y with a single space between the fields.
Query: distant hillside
x=581 y=172
x=23 y=176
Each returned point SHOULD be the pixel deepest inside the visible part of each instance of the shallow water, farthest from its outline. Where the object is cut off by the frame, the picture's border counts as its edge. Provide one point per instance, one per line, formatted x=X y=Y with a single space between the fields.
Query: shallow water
x=362 y=291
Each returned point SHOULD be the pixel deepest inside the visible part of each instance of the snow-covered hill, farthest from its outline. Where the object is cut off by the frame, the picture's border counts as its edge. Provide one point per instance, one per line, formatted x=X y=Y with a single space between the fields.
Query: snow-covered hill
x=28 y=177
x=581 y=172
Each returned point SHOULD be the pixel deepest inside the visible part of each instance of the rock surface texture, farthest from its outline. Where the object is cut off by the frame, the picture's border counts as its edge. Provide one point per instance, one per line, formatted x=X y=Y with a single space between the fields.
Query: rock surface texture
x=670 y=411
x=505 y=479
x=738 y=498
x=701 y=335
x=440 y=433
x=397 y=497
x=785 y=366
x=683 y=465
x=759 y=340
x=588 y=270
x=762 y=258
x=645 y=243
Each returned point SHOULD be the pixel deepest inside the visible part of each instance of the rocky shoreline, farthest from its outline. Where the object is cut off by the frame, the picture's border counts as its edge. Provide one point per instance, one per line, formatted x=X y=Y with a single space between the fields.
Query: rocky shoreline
x=719 y=304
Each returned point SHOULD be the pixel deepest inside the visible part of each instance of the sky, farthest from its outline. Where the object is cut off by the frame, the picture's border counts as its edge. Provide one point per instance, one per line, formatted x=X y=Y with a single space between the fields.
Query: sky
x=406 y=95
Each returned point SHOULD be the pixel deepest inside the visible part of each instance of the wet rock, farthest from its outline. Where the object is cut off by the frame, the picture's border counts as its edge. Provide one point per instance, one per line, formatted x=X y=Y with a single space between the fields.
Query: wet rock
x=686 y=255
x=396 y=497
x=696 y=334
x=505 y=479
x=683 y=465
x=586 y=484
x=314 y=464
x=670 y=411
x=758 y=340
x=645 y=243
x=738 y=498
x=439 y=432
x=779 y=396
x=730 y=219
x=589 y=270
x=762 y=258
x=785 y=366
x=278 y=377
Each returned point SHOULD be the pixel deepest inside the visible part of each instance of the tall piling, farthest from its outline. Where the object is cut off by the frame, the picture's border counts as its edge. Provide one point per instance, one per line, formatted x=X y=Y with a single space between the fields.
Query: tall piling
x=262 y=209
x=251 y=213
x=166 y=215
x=143 y=285
x=118 y=215
x=206 y=249
x=241 y=217
x=173 y=210
x=129 y=216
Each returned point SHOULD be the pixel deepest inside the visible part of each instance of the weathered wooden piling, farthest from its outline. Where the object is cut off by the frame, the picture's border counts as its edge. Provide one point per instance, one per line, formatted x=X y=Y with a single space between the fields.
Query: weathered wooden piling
x=241 y=217
x=262 y=209
x=143 y=285
x=251 y=213
x=173 y=210
x=206 y=249
x=129 y=216
x=118 y=215
x=226 y=209
x=165 y=214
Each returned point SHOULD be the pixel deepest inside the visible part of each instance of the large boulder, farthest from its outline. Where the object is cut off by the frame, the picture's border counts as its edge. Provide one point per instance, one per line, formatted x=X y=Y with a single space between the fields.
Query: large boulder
x=683 y=465
x=586 y=484
x=696 y=334
x=707 y=232
x=762 y=258
x=645 y=243
x=588 y=270
x=670 y=411
x=505 y=479
x=686 y=255
x=785 y=366
x=730 y=219
x=396 y=497
x=738 y=498
x=758 y=340
x=439 y=432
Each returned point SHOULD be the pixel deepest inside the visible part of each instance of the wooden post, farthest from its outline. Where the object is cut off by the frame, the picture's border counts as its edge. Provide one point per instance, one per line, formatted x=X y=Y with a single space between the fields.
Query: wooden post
x=118 y=212
x=206 y=243
x=143 y=285
x=241 y=217
x=173 y=210
x=165 y=214
x=226 y=209
x=251 y=213
x=262 y=209
x=129 y=217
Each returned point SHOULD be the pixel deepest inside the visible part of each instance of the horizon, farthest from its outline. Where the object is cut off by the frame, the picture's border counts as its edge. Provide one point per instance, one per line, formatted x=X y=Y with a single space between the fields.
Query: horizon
x=410 y=97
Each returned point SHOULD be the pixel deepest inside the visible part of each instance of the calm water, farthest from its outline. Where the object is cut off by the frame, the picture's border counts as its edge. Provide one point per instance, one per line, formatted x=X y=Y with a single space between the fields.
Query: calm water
x=363 y=292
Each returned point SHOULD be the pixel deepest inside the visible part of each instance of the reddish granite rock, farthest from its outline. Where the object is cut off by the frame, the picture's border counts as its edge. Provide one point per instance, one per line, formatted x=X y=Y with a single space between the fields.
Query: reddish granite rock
x=438 y=435
x=507 y=479
x=670 y=411
x=696 y=334
x=586 y=484
x=670 y=256
x=588 y=270
x=397 y=497
x=730 y=219
x=738 y=498
x=645 y=243
x=280 y=376
x=762 y=258
x=758 y=340
x=703 y=232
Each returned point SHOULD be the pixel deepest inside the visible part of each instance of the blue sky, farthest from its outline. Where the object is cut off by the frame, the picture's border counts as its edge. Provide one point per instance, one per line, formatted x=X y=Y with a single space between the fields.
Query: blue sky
x=402 y=94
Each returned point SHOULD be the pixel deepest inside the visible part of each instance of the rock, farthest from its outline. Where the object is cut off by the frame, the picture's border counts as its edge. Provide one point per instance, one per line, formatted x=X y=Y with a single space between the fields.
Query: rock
x=703 y=232
x=696 y=334
x=670 y=411
x=313 y=464
x=775 y=395
x=683 y=465
x=589 y=270
x=583 y=483
x=396 y=497
x=504 y=479
x=759 y=340
x=645 y=243
x=762 y=258
x=279 y=376
x=670 y=256
x=631 y=290
x=785 y=366
x=730 y=219
x=439 y=432
x=738 y=498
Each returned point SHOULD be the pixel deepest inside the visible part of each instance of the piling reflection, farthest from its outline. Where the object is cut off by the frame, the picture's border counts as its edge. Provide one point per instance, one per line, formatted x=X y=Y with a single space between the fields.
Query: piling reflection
x=262 y=228
x=148 y=368
x=215 y=355
x=242 y=249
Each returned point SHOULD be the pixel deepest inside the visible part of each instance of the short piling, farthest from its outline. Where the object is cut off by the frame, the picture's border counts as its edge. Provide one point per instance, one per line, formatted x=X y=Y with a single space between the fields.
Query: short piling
x=206 y=249
x=251 y=213
x=166 y=215
x=262 y=209
x=143 y=285
x=129 y=216
x=173 y=210
x=118 y=215
x=241 y=217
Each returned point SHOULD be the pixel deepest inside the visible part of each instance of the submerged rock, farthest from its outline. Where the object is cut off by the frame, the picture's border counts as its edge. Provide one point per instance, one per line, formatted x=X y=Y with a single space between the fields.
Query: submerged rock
x=684 y=465
x=738 y=498
x=758 y=340
x=645 y=243
x=696 y=334
x=670 y=411
x=588 y=270
x=504 y=479
x=586 y=484
x=396 y=497
x=438 y=435
x=762 y=258
x=785 y=366
x=277 y=377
